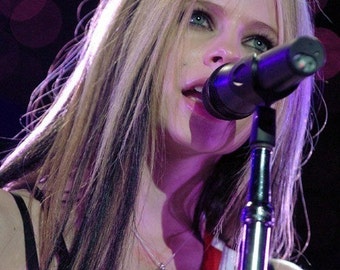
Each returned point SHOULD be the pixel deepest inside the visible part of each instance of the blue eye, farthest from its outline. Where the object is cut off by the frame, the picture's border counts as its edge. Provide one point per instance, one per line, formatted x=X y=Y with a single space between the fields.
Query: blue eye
x=201 y=19
x=258 y=43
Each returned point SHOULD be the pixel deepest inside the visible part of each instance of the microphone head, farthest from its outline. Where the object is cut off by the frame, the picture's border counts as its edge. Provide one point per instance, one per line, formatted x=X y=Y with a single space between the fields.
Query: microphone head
x=224 y=95
x=308 y=55
x=211 y=101
x=233 y=92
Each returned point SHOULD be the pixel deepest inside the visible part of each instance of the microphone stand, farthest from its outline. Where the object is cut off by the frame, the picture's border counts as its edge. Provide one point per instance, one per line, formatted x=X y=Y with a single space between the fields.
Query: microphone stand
x=257 y=214
x=233 y=92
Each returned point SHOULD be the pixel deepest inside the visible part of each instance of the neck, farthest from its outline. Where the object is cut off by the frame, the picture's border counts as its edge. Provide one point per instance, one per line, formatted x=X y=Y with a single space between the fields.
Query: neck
x=165 y=208
x=178 y=171
x=172 y=191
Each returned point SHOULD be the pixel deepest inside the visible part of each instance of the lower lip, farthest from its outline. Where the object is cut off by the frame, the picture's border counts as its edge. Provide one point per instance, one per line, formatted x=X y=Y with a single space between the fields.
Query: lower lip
x=196 y=106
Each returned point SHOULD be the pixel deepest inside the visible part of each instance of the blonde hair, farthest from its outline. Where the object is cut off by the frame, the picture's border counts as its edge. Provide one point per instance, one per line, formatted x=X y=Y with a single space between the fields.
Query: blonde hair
x=294 y=125
x=101 y=129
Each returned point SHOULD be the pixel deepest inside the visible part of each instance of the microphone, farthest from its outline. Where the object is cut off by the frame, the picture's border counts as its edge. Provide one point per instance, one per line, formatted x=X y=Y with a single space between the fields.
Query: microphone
x=233 y=91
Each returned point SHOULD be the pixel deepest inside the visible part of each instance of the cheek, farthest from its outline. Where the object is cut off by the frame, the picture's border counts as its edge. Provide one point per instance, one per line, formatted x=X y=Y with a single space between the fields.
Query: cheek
x=193 y=52
x=168 y=91
x=168 y=97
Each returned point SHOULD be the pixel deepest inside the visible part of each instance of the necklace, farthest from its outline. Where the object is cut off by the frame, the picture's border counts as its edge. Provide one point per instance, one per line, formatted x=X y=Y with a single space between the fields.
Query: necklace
x=148 y=250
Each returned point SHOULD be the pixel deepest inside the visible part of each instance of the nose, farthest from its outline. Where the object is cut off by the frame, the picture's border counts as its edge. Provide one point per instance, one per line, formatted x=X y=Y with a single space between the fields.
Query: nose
x=218 y=54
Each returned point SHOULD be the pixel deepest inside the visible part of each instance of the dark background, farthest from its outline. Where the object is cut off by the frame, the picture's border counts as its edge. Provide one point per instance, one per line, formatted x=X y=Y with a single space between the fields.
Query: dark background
x=33 y=31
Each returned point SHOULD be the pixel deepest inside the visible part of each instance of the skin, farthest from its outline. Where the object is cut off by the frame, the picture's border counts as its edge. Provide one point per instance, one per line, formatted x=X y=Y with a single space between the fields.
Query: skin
x=194 y=139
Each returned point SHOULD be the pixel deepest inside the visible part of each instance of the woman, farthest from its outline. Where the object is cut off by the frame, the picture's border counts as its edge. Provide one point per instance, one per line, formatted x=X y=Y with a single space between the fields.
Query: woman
x=131 y=170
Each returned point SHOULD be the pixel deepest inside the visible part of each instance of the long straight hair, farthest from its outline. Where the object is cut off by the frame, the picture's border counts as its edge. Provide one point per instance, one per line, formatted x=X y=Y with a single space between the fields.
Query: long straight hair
x=89 y=148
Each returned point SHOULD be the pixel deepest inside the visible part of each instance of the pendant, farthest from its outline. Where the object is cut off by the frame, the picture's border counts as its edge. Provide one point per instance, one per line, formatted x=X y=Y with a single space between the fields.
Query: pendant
x=161 y=266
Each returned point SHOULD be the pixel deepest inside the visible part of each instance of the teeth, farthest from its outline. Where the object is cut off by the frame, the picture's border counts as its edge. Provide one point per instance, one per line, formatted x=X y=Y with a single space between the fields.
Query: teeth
x=199 y=89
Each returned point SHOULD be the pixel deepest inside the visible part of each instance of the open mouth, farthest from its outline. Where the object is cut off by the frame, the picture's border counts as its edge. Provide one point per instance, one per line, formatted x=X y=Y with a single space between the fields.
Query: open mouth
x=194 y=93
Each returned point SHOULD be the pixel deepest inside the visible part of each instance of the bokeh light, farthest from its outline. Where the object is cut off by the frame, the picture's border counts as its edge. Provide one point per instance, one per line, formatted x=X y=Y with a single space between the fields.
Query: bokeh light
x=43 y=22
x=331 y=41
x=24 y=10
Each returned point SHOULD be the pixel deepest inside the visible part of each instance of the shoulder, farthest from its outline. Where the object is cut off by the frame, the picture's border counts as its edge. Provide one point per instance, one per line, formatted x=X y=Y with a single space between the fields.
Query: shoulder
x=12 y=247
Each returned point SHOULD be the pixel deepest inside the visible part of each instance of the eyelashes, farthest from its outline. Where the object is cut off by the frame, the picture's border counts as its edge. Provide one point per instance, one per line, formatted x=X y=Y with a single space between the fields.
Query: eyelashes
x=202 y=20
x=258 y=40
x=259 y=43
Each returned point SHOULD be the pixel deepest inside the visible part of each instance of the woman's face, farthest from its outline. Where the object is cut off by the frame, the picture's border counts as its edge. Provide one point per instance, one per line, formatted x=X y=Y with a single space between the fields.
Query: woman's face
x=219 y=32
